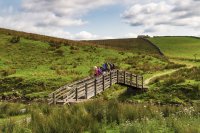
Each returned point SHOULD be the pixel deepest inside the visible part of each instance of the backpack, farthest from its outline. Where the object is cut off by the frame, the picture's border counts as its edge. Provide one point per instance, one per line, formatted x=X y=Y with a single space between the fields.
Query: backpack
x=102 y=69
x=108 y=66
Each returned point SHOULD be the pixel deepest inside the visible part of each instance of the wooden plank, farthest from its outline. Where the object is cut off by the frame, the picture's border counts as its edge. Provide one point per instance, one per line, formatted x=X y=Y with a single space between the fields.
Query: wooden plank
x=100 y=87
x=90 y=85
x=115 y=81
x=90 y=82
x=100 y=83
x=107 y=81
x=60 y=95
x=90 y=92
x=107 y=85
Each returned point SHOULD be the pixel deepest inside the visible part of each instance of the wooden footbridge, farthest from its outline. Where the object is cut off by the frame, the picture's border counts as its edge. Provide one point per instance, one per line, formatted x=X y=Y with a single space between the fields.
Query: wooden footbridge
x=91 y=86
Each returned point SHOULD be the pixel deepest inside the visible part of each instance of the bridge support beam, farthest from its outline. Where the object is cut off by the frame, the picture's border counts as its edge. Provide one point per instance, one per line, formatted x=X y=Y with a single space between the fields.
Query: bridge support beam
x=134 y=90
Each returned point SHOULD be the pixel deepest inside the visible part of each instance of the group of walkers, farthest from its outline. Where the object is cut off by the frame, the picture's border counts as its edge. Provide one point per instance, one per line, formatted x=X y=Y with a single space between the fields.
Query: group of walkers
x=106 y=67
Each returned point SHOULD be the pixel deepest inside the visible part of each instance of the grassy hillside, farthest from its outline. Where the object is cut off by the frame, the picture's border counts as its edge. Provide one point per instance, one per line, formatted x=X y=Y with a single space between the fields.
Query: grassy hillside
x=134 y=44
x=178 y=47
x=37 y=37
x=99 y=116
x=32 y=69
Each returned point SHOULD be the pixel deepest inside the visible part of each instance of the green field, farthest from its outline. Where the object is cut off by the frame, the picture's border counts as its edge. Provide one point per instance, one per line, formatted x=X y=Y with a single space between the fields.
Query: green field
x=178 y=47
x=137 y=45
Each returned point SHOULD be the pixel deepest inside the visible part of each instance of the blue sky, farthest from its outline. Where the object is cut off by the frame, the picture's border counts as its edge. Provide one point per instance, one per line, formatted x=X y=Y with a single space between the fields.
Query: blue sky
x=89 y=19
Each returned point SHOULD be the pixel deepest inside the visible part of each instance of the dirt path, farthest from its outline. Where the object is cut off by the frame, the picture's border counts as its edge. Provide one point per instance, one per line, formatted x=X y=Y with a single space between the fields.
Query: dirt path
x=147 y=81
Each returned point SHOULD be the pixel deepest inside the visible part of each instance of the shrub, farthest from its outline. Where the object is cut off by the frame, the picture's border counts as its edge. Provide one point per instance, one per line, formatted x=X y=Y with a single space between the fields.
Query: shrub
x=171 y=81
x=172 y=65
x=15 y=39
x=55 y=45
x=61 y=72
x=74 y=48
x=7 y=72
x=59 y=52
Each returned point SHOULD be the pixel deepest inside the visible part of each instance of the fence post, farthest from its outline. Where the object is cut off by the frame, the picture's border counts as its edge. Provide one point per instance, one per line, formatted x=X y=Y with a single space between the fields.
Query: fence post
x=54 y=98
x=131 y=78
x=103 y=82
x=142 y=83
x=76 y=94
x=95 y=87
x=110 y=78
x=124 y=77
x=86 y=96
x=117 y=76
x=136 y=81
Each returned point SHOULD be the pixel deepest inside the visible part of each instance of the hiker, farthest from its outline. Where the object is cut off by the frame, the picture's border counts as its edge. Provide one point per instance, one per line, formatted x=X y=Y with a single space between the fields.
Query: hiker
x=95 y=71
x=112 y=66
x=99 y=71
x=102 y=69
x=105 y=67
x=108 y=66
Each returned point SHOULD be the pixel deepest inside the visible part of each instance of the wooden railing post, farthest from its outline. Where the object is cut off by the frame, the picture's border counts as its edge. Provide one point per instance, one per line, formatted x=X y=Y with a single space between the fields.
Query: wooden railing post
x=86 y=94
x=136 y=81
x=110 y=78
x=103 y=80
x=117 y=76
x=95 y=87
x=142 y=82
x=124 y=77
x=54 y=98
x=131 y=79
x=76 y=94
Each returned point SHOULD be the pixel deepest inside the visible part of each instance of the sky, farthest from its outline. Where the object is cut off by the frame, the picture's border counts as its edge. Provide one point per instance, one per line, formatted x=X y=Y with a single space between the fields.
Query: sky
x=102 y=19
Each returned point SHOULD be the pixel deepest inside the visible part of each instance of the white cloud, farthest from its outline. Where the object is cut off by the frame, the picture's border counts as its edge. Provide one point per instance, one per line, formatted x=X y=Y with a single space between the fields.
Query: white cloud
x=161 y=16
x=51 y=17
x=60 y=12
x=84 y=35
x=131 y=35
